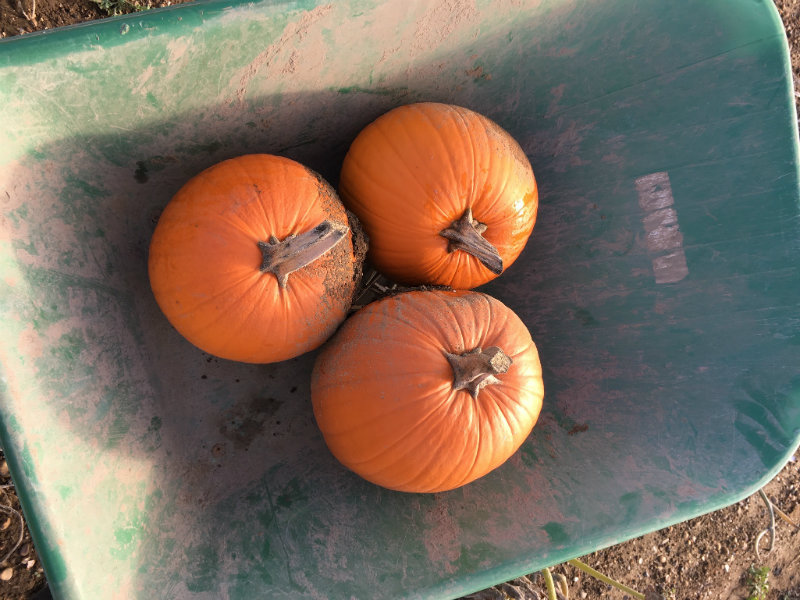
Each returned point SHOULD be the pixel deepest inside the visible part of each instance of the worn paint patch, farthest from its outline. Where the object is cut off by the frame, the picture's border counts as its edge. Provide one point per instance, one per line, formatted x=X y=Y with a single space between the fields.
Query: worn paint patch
x=202 y=562
x=556 y=533
x=56 y=566
x=442 y=535
x=664 y=237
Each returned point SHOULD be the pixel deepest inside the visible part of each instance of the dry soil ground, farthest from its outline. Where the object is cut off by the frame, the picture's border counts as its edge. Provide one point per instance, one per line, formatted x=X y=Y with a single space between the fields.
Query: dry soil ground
x=711 y=557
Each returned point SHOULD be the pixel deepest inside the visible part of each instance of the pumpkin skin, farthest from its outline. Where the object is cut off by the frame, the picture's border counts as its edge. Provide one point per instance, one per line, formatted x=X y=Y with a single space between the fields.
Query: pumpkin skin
x=413 y=172
x=383 y=390
x=206 y=258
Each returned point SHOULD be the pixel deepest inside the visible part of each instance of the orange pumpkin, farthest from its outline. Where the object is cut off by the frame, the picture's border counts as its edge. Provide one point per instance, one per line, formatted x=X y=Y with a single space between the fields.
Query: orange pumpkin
x=426 y=391
x=252 y=260
x=446 y=196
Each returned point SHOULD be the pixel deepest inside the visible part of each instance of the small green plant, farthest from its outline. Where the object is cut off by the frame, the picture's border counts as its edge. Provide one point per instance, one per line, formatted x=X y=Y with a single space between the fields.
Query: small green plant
x=757 y=582
x=121 y=7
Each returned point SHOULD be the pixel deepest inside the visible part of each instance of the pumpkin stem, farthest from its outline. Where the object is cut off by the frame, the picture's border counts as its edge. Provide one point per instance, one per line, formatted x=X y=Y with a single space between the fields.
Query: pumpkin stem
x=296 y=251
x=476 y=369
x=465 y=234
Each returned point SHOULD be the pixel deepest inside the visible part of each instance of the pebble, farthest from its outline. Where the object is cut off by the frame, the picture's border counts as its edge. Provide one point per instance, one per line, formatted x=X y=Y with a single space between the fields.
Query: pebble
x=30 y=564
x=5 y=524
x=25 y=549
x=663 y=559
x=7 y=574
x=584 y=595
x=727 y=568
x=4 y=472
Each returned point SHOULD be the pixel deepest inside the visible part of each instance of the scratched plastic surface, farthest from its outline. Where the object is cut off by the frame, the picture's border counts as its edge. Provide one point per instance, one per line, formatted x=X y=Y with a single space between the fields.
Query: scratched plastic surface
x=661 y=284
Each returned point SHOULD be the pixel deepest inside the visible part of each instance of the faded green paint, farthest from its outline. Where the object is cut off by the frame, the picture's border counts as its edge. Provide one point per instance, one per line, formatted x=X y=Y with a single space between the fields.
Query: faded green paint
x=209 y=148
x=126 y=542
x=18 y=214
x=203 y=565
x=65 y=491
x=528 y=455
x=631 y=503
x=26 y=463
x=69 y=346
x=357 y=89
x=662 y=400
x=153 y=499
x=479 y=556
x=556 y=533
x=130 y=524
x=28 y=247
x=55 y=567
x=293 y=492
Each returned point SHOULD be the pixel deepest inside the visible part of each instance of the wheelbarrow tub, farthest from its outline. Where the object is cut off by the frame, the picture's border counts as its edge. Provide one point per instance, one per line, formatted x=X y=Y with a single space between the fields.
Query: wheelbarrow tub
x=660 y=284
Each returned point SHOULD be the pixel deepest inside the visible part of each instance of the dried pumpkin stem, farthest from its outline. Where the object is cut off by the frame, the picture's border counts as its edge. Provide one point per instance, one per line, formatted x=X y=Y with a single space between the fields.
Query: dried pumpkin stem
x=466 y=234
x=476 y=369
x=297 y=251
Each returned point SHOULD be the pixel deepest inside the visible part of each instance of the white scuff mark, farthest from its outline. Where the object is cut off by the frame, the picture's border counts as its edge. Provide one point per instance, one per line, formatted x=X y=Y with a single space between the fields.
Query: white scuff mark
x=139 y=88
x=664 y=237
x=290 y=39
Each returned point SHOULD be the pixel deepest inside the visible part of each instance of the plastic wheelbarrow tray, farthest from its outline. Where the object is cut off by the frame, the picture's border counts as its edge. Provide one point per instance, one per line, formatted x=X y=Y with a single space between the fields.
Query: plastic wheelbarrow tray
x=661 y=285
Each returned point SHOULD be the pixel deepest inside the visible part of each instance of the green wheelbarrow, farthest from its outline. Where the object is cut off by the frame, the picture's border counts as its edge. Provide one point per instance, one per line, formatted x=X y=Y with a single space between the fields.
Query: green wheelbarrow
x=661 y=285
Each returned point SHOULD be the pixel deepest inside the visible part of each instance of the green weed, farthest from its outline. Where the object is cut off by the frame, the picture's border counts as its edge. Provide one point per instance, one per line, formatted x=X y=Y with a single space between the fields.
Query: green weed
x=121 y=7
x=757 y=582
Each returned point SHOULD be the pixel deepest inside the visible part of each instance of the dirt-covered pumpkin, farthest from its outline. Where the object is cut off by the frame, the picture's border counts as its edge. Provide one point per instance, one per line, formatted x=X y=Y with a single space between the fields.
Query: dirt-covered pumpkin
x=426 y=391
x=252 y=260
x=445 y=194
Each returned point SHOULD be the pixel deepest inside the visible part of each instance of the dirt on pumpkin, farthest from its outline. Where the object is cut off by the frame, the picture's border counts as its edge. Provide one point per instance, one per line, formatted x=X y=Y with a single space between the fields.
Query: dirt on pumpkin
x=711 y=557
